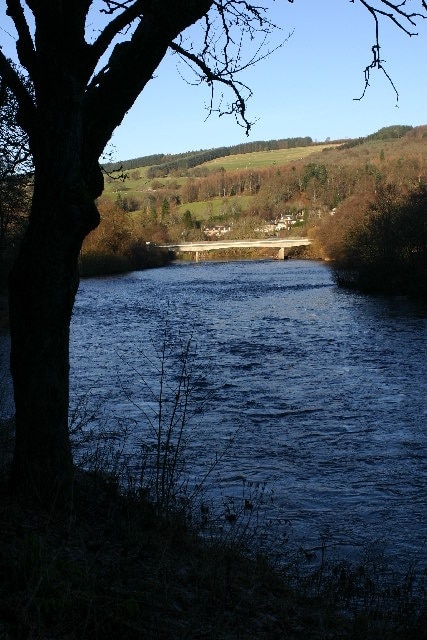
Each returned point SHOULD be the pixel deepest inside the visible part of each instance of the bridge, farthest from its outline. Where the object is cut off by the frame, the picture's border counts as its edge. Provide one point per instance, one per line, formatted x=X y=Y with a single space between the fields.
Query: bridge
x=215 y=245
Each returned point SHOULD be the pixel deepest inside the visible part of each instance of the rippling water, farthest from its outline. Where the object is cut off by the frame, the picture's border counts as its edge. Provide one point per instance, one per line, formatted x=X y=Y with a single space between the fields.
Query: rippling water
x=327 y=387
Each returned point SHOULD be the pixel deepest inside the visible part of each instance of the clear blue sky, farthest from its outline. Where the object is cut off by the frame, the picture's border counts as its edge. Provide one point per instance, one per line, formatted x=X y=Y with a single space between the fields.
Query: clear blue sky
x=307 y=88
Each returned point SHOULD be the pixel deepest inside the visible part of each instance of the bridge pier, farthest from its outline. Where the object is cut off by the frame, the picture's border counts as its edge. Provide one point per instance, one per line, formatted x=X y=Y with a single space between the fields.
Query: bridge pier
x=281 y=254
x=197 y=256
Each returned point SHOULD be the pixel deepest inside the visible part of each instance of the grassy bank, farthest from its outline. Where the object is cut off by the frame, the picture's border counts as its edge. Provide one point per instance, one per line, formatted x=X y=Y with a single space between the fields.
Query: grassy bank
x=109 y=567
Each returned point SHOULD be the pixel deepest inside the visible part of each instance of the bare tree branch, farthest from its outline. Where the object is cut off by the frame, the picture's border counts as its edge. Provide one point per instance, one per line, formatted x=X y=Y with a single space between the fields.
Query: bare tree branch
x=402 y=18
x=24 y=45
x=231 y=27
x=131 y=11
x=239 y=106
x=13 y=81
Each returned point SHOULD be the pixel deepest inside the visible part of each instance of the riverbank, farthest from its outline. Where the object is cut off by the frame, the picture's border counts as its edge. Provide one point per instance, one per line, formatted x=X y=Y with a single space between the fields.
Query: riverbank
x=108 y=568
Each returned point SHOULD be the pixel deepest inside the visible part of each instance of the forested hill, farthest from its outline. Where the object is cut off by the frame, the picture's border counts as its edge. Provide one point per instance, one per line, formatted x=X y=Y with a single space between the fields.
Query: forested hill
x=386 y=133
x=161 y=164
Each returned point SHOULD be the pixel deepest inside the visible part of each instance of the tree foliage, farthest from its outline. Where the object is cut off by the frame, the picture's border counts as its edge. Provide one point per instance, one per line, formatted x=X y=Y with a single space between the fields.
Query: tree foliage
x=386 y=250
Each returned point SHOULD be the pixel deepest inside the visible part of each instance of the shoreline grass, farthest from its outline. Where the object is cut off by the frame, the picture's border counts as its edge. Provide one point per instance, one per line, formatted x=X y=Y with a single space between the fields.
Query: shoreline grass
x=109 y=567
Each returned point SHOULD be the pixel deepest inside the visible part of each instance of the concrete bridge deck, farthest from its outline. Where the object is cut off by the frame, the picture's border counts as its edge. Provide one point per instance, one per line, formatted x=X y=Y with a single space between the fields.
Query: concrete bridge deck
x=215 y=245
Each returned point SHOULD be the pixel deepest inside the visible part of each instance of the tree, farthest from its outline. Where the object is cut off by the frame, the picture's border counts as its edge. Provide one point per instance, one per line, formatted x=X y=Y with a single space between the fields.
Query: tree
x=387 y=250
x=80 y=92
x=15 y=177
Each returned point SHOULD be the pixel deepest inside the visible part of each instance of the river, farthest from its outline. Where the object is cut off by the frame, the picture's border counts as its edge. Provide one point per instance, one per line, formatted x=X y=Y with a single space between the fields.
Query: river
x=323 y=391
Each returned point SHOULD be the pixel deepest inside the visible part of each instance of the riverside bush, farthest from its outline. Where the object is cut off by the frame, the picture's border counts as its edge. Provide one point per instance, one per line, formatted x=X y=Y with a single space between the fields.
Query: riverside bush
x=384 y=248
x=118 y=246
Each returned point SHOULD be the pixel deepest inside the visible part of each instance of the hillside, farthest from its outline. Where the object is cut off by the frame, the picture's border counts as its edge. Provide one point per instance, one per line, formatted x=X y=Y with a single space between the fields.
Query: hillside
x=261 y=182
x=272 y=188
x=170 y=162
x=165 y=163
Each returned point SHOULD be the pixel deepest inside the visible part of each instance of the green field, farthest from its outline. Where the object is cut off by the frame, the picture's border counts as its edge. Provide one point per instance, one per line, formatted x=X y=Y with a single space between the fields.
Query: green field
x=135 y=187
x=258 y=159
x=261 y=159
x=205 y=209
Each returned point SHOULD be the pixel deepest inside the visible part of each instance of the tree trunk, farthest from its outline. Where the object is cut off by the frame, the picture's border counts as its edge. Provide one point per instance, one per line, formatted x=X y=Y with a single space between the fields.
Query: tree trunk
x=43 y=286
